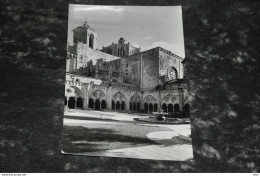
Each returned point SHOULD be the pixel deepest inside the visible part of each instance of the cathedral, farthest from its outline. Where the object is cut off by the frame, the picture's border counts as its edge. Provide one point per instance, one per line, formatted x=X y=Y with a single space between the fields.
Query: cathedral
x=120 y=77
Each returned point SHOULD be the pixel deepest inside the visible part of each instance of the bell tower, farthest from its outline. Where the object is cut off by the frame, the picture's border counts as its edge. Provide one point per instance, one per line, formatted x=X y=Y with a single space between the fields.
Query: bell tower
x=85 y=34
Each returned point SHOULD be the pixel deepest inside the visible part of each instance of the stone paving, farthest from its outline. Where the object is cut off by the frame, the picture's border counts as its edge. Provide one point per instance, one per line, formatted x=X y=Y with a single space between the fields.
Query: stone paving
x=162 y=151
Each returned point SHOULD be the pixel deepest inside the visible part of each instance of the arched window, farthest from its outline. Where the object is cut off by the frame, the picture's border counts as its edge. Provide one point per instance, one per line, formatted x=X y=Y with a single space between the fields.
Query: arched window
x=113 y=104
x=79 y=103
x=186 y=108
x=123 y=105
x=134 y=106
x=103 y=104
x=150 y=107
x=164 y=107
x=176 y=108
x=117 y=105
x=91 y=41
x=138 y=106
x=155 y=107
x=145 y=107
x=91 y=103
x=170 y=108
x=71 y=102
x=97 y=105
x=131 y=108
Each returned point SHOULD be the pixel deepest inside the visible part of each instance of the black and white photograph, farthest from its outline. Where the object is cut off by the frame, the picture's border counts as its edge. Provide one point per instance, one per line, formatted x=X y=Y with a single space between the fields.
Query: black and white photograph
x=126 y=91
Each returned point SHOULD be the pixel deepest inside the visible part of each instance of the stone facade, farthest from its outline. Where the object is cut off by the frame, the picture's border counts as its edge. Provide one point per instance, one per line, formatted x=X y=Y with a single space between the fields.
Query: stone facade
x=140 y=81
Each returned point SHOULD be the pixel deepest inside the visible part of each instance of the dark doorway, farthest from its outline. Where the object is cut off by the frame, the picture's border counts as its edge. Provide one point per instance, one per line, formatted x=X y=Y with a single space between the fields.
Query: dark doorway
x=176 y=108
x=65 y=101
x=72 y=103
x=138 y=106
x=145 y=107
x=164 y=107
x=123 y=105
x=103 y=104
x=155 y=107
x=80 y=102
x=117 y=105
x=131 y=108
x=150 y=107
x=90 y=103
x=97 y=105
x=134 y=106
x=113 y=104
x=186 y=108
x=170 y=108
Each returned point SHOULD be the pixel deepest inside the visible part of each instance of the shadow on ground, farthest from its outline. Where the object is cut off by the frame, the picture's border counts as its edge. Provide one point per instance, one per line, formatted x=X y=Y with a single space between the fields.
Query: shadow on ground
x=78 y=139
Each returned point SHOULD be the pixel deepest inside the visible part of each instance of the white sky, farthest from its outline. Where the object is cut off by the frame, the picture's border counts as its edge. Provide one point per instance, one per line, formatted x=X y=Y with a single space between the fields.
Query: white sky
x=143 y=26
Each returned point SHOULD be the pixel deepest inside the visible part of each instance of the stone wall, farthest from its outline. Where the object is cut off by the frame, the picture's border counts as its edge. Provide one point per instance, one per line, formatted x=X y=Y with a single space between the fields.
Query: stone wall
x=168 y=59
x=150 y=69
x=85 y=54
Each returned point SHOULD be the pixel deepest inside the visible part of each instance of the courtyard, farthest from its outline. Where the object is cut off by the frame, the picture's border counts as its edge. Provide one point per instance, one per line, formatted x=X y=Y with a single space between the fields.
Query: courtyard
x=115 y=134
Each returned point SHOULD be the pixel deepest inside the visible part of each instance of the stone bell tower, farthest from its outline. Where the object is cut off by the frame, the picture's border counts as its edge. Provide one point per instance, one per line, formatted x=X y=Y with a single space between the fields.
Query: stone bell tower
x=85 y=34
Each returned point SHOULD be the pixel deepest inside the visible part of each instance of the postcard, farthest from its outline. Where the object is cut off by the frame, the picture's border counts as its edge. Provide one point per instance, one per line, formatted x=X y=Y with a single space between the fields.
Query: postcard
x=126 y=90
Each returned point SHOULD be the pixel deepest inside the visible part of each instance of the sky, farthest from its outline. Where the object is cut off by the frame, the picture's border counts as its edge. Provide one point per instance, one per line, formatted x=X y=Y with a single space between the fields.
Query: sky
x=143 y=26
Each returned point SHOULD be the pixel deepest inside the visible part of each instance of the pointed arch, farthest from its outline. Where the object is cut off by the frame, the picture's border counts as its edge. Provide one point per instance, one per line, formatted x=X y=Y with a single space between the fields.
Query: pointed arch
x=169 y=99
x=91 y=41
x=98 y=94
x=150 y=99
x=119 y=97
x=135 y=98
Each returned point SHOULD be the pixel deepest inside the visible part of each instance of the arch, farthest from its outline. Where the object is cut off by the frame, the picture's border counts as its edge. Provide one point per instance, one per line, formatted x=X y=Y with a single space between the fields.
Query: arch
x=155 y=107
x=176 y=108
x=145 y=107
x=97 y=105
x=90 y=103
x=119 y=97
x=103 y=104
x=150 y=99
x=117 y=105
x=65 y=101
x=98 y=94
x=170 y=107
x=91 y=41
x=79 y=102
x=169 y=99
x=150 y=107
x=135 y=98
x=164 y=107
x=114 y=80
x=123 y=105
x=187 y=108
x=71 y=103
x=113 y=104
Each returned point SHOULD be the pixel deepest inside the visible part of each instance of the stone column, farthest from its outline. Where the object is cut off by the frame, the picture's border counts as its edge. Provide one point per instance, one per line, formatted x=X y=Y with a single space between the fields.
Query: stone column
x=75 y=103
x=94 y=104
x=109 y=98
x=85 y=93
x=181 y=99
